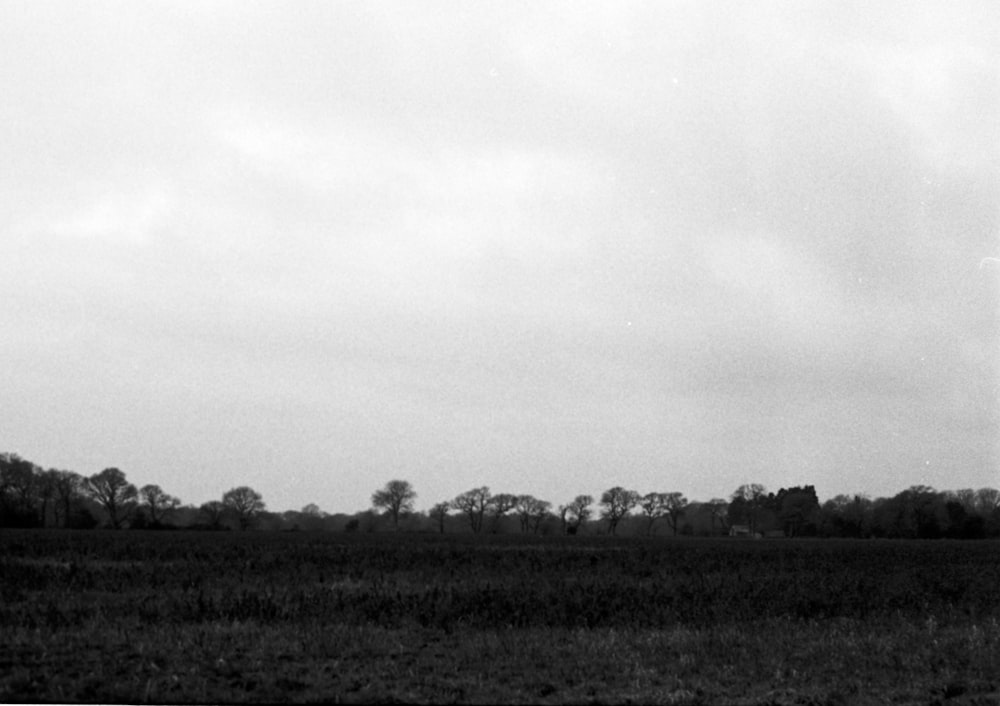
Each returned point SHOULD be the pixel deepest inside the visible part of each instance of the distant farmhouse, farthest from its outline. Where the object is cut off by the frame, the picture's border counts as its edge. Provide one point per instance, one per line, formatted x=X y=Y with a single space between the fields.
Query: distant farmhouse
x=744 y=531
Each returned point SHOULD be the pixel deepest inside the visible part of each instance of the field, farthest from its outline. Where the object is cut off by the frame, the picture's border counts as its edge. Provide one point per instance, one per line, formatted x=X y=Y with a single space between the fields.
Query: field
x=165 y=617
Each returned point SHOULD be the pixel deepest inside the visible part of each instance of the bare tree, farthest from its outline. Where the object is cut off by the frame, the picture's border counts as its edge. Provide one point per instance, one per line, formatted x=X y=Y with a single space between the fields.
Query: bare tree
x=654 y=506
x=531 y=511
x=499 y=505
x=212 y=512
x=752 y=496
x=717 y=513
x=987 y=500
x=966 y=497
x=309 y=518
x=563 y=511
x=675 y=505
x=395 y=498
x=19 y=480
x=115 y=494
x=438 y=513
x=577 y=513
x=46 y=492
x=245 y=503
x=474 y=504
x=68 y=486
x=617 y=503
x=157 y=503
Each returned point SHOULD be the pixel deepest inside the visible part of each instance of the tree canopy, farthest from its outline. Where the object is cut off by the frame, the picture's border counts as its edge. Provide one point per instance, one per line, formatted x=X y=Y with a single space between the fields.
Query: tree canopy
x=395 y=498
x=244 y=502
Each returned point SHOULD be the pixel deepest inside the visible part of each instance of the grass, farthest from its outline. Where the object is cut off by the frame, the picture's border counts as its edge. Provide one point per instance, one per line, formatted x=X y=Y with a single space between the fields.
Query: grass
x=155 y=618
x=763 y=662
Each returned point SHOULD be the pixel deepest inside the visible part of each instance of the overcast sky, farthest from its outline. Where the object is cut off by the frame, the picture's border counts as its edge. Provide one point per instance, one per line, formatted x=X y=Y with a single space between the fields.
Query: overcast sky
x=544 y=247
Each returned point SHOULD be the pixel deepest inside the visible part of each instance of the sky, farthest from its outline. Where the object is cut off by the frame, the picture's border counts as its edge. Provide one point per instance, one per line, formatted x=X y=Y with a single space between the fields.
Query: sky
x=545 y=247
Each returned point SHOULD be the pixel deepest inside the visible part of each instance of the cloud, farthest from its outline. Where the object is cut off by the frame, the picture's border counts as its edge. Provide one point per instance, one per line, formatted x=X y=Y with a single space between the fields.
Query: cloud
x=115 y=218
x=934 y=72
x=942 y=94
x=521 y=245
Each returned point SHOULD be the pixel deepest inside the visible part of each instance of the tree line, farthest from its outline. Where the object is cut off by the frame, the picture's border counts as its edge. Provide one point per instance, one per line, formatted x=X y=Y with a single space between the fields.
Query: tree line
x=31 y=496
x=919 y=512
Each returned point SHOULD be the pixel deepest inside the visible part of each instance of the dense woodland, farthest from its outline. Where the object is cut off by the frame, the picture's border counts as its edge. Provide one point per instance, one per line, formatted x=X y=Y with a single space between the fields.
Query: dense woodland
x=31 y=496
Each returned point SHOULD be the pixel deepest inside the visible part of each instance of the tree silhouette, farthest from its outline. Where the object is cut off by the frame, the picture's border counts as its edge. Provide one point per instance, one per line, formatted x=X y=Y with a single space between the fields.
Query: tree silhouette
x=747 y=501
x=656 y=505
x=212 y=513
x=114 y=493
x=245 y=503
x=499 y=505
x=653 y=506
x=617 y=503
x=157 y=503
x=918 y=512
x=965 y=496
x=717 y=508
x=67 y=486
x=474 y=504
x=798 y=509
x=438 y=513
x=46 y=493
x=396 y=497
x=18 y=491
x=576 y=513
x=987 y=500
x=675 y=504
x=531 y=512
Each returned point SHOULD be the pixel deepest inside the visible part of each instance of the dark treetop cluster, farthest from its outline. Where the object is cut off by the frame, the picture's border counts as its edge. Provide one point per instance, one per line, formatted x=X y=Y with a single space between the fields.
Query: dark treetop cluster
x=31 y=496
